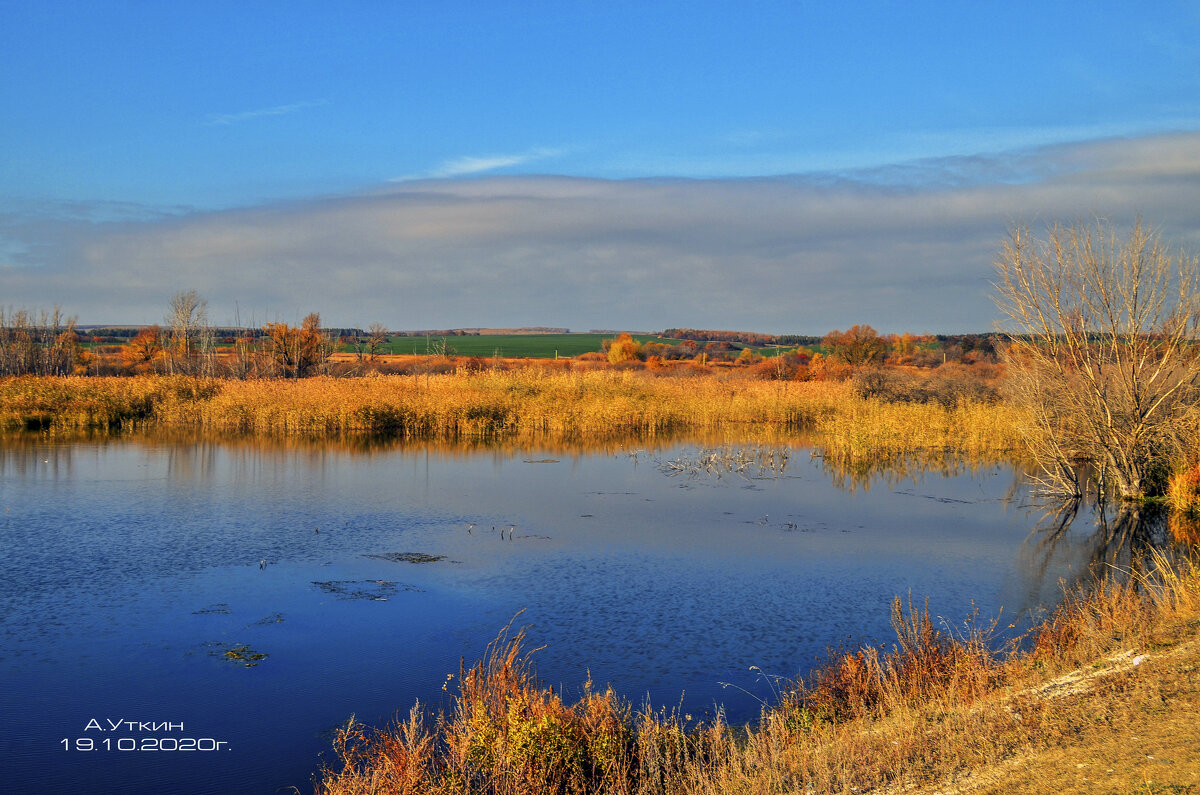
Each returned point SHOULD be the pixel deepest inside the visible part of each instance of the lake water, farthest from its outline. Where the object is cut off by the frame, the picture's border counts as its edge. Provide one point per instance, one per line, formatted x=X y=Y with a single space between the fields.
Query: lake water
x=141 y=579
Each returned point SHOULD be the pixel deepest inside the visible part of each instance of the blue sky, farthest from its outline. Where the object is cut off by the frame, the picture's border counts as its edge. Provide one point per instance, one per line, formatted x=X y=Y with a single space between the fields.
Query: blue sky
x=380 y=161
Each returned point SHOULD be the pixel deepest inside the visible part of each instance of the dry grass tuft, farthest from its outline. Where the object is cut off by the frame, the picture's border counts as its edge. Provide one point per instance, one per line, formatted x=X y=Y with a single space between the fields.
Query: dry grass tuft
x=504 y=733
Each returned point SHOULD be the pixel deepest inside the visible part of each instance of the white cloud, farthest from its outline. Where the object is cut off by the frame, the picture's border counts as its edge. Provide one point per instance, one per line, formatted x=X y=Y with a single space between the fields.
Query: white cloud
x=905 y=248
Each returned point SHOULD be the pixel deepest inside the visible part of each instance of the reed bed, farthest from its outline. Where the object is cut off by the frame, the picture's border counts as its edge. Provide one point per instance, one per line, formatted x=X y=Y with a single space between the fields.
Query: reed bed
x=78 y=402
x=934 y=705
x=558 y=405
x=864 y=427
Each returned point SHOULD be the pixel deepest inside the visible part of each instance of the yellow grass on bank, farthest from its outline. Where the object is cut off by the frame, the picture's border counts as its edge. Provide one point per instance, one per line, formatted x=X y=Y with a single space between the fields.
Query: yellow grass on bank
x=531 y=403
x=907 y=719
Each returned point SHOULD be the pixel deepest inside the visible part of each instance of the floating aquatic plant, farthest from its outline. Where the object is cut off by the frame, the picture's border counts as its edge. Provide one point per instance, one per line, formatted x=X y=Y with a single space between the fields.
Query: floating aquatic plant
x=407 y=557
x=370 y=590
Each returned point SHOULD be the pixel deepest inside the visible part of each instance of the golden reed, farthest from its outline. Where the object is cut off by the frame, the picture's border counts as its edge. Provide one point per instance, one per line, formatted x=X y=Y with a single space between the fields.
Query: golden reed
x=534 y=403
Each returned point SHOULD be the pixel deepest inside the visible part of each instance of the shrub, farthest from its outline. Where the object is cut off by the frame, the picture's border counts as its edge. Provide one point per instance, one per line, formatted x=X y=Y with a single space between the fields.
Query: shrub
x=624 y=349
x=1183 y=490
x=948 y=386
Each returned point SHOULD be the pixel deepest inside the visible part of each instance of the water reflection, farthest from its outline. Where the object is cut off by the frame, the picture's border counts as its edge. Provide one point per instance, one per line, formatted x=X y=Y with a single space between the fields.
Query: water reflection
x=854 y=474
x=765 y=451
x=1184 y=529
x=1110 y=539
x=356 y=443
x=745 y=461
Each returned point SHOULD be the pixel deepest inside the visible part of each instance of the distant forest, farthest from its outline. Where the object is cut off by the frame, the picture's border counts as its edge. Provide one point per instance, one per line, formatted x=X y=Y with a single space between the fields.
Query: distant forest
x=983 y=342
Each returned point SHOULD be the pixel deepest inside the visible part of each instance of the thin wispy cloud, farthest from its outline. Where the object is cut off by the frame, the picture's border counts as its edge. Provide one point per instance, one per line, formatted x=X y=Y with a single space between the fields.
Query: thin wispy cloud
x=752 y=137
x=221 y=119
x=769 y=152
x=469 y=165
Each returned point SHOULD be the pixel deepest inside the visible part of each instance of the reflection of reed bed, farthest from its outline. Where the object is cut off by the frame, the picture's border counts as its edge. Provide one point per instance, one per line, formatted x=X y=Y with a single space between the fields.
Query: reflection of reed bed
x=851 y=474
x=939 y=703
x=524 y=446
x=582 y=405
x=352 y=442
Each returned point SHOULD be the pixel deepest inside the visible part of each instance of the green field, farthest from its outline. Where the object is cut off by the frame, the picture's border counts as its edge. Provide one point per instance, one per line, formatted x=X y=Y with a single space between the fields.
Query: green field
x=528 y=346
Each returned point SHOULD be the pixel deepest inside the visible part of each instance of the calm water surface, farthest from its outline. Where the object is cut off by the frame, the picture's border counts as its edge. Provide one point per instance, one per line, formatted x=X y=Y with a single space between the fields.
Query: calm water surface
x=139 y=578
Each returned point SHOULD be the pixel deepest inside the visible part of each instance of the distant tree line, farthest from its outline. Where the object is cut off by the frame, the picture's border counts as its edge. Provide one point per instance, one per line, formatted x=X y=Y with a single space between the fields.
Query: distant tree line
x=481 y=331
x=797 y=339
x=714 y=335
x=984 y=343
x=224 y=334
x=51 y=344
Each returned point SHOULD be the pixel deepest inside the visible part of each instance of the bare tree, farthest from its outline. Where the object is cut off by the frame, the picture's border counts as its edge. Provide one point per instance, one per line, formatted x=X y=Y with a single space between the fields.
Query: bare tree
x=1101 y=352
x=376 y=340
x=40 y=344
x=187 y=320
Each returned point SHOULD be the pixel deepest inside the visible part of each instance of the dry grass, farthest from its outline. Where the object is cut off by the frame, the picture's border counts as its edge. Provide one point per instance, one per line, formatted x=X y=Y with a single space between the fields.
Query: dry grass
x=532 y=403
x=504 y=734
x=934 y=708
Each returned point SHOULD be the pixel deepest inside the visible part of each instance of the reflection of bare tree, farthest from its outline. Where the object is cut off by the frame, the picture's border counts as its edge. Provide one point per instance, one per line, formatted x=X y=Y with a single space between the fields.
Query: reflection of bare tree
x=1098 y=538
x=1132 y=533
x=1044 y=545
x=191 y=462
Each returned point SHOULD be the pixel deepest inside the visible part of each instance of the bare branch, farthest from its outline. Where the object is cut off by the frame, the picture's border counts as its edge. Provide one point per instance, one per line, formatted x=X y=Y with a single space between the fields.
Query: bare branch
x=1101 y=350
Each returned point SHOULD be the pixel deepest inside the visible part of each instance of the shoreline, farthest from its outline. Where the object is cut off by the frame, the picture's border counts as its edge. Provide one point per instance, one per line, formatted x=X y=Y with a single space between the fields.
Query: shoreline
x=934 y=713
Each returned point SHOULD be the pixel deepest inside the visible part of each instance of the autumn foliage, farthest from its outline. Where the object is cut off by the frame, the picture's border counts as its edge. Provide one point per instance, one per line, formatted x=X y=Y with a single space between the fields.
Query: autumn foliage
x=714 y=335
x=144 y=350
x=623 y=349
x=45 y=344
x=859 y=345
x=297 y=351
